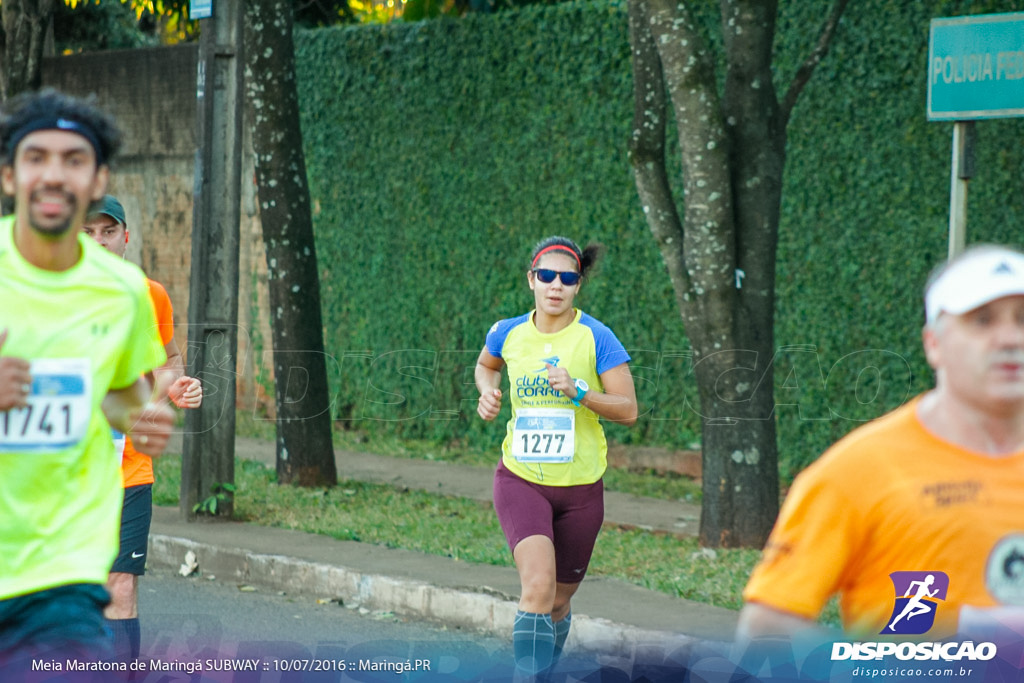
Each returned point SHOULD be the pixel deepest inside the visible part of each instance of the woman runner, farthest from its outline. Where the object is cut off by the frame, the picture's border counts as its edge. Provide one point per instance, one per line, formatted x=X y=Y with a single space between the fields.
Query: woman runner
x=566 y=370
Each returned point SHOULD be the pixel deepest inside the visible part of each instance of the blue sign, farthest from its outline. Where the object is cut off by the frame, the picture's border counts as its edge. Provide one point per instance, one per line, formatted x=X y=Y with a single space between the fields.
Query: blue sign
x=200 y=9
x=976 y=67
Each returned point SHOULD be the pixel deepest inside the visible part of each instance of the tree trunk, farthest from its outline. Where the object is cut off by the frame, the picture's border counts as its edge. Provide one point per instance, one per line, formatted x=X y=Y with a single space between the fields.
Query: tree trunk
x=721 y=254
x=739 y=458
x=305 y=455
x=25 y=25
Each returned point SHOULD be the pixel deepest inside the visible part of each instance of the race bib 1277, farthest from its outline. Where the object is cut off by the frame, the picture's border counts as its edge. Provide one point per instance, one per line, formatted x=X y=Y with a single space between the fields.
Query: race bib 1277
x=545 y=435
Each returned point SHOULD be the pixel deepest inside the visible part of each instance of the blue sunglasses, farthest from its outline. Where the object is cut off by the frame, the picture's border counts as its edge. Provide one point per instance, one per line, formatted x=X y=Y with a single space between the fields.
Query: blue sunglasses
x=547 y=276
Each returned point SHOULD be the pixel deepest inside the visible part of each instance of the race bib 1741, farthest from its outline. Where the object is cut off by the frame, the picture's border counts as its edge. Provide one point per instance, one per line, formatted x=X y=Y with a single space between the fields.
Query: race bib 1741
x=58 y=411
x=545 y=435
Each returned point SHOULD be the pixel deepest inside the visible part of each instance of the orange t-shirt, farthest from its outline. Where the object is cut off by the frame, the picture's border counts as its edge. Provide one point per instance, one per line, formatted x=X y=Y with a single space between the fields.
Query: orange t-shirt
x=892 y=497
x=136 y=468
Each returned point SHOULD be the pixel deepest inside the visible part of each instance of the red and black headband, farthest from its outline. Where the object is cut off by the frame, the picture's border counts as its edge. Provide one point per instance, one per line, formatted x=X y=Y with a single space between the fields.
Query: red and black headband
x=557 y=247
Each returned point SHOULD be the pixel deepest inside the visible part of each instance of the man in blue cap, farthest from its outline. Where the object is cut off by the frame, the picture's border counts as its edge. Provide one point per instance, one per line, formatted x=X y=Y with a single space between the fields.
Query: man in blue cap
x=106 y=223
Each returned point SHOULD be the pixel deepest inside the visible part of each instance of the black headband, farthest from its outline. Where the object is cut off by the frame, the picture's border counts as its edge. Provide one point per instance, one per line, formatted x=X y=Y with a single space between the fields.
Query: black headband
x=58 y=123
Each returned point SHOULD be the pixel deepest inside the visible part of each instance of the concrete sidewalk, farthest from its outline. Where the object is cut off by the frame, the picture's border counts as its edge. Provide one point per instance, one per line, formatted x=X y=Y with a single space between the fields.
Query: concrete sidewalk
x=608 y=615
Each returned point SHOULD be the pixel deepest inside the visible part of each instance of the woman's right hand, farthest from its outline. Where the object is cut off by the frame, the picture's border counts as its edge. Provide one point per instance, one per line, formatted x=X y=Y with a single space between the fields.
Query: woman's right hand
x=489 y=404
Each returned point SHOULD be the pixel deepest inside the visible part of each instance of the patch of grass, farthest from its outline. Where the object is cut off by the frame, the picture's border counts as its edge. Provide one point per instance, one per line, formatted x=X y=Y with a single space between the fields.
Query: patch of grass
x=667 y=486
x=167 y=470
x=468 y=530
x=372 y=513
x=463 y=529
x=677 y=566
x=357 y=511
x=664 y=485
x=254 y=426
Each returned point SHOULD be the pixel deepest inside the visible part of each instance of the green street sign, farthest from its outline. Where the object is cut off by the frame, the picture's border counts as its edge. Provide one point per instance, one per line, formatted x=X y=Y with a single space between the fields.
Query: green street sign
x=976 y=67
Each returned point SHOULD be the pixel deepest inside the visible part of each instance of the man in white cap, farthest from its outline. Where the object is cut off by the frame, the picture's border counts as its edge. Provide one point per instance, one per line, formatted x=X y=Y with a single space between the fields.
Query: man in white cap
x=933 y=491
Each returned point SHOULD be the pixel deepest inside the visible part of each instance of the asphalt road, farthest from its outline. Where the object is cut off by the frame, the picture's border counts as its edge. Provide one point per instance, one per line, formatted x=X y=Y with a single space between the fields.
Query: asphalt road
x=198 y=625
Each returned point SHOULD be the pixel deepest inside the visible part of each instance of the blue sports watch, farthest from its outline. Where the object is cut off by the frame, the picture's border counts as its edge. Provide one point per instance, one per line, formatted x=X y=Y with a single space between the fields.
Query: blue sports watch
x=581 y=390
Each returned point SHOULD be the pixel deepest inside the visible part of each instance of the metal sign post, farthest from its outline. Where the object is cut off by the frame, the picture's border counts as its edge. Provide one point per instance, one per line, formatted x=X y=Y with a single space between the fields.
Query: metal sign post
x=960 y=175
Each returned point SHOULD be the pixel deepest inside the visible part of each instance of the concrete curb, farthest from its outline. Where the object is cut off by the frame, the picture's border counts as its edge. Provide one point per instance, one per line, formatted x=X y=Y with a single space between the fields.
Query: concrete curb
x=479 y=609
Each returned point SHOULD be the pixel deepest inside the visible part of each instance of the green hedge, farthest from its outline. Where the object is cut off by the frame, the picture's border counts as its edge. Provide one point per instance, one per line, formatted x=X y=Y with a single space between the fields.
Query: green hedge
x=438 y=152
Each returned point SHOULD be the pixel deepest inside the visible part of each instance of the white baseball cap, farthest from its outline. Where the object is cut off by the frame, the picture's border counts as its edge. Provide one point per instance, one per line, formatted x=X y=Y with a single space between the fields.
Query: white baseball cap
x=978 y=276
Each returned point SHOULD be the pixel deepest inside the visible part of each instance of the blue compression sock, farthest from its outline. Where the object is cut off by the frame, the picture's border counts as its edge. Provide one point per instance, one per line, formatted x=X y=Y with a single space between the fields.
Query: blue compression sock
x=533 y=641
x=561 y=633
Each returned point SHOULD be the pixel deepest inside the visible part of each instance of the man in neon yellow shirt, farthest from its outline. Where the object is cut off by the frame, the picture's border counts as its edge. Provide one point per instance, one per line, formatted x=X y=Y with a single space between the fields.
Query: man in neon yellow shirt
x=77 y=335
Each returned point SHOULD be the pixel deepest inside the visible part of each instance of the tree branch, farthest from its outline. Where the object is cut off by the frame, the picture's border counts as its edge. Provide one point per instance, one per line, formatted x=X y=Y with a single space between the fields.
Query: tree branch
x=803 y=74
x=757 y=146
x=710 y=247
x=647 y=149
x=748 y=31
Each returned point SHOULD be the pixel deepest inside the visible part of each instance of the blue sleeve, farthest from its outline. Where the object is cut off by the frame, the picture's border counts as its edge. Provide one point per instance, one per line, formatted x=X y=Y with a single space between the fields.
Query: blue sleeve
x=499 y=332
x=609 y=350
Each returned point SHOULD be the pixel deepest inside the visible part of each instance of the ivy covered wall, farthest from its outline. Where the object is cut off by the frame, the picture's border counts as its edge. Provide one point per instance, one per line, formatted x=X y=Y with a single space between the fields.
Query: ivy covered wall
x=439 y=152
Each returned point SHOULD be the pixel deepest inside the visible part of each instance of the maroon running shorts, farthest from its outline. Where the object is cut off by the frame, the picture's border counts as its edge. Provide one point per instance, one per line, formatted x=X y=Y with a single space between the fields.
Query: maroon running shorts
x=570 y=516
